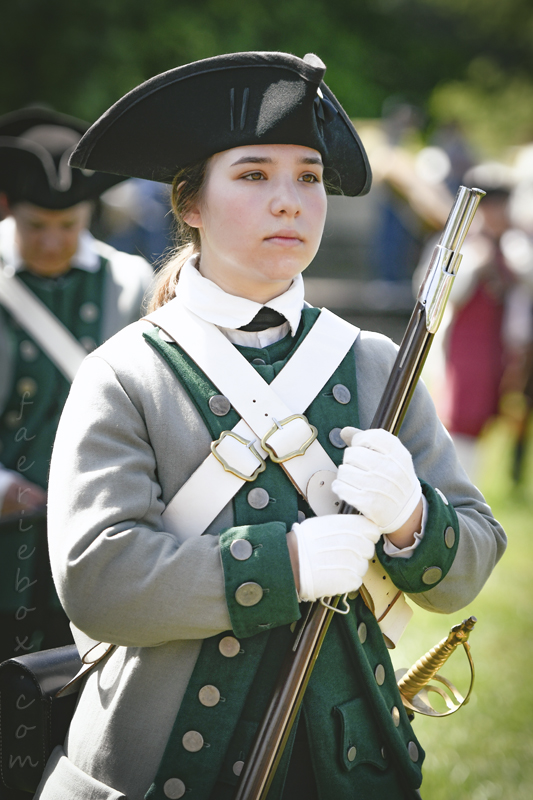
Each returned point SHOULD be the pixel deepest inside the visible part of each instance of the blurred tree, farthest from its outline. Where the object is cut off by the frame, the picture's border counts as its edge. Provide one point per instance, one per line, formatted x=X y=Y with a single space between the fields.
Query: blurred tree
x=493 y=98
x=80 y=57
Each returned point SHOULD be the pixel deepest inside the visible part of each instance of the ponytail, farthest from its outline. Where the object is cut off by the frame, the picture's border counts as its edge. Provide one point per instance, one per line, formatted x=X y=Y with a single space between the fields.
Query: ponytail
x=186 y=191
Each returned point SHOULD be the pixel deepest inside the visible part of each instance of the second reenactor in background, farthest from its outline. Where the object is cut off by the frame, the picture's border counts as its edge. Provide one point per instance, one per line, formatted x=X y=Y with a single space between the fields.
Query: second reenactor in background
x=51 y=270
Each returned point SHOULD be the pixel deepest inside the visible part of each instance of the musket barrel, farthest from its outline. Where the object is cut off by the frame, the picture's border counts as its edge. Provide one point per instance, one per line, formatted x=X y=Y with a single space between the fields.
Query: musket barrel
x=275 y=726
x=446 y=257
x=460 y=218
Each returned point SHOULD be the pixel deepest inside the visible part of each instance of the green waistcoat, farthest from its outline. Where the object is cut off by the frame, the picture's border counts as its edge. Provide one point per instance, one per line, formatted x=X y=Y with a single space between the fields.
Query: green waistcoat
x=30 y=613
x=361 y=741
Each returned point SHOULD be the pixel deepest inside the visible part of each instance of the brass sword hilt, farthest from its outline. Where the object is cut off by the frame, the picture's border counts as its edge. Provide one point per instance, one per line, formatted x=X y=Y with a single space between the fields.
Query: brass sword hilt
x=415 y=684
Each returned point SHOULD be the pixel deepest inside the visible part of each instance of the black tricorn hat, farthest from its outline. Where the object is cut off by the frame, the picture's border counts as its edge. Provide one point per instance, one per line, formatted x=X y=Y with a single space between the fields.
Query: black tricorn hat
x=35 y=147
x=190 y=113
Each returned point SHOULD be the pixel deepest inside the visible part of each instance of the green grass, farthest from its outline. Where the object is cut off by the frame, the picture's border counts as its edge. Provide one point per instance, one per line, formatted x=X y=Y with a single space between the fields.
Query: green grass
x=485 y=750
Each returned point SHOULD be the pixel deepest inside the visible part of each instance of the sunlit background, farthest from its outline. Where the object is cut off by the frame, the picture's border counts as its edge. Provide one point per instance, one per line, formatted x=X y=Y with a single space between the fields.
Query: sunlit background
x=435 y=87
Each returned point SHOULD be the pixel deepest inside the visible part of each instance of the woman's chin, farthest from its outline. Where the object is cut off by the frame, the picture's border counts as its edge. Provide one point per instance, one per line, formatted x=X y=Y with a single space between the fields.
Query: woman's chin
x=281 y=269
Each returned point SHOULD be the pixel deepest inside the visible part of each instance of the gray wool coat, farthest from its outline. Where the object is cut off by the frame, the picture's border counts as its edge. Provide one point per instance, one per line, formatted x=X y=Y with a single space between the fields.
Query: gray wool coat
x=128 y=439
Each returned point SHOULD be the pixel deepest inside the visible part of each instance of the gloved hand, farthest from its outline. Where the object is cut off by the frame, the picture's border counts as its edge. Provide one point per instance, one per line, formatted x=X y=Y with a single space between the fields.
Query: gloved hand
x=378 y=478
x=333 y=553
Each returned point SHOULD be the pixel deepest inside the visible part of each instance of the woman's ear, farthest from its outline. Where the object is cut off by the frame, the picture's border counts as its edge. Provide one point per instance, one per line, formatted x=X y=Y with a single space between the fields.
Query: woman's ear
x=193 y=216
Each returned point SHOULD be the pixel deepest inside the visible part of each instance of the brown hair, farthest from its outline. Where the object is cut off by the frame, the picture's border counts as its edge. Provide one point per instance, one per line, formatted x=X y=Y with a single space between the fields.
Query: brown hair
x=186 y=191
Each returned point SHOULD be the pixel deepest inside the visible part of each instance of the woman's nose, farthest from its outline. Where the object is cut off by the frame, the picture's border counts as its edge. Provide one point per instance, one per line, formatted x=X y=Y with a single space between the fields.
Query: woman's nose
x=286 y=199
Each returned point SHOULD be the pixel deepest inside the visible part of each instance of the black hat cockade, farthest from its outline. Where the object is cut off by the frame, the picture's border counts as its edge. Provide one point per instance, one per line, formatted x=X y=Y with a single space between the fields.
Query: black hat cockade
x=190 y=113
x=35 y=146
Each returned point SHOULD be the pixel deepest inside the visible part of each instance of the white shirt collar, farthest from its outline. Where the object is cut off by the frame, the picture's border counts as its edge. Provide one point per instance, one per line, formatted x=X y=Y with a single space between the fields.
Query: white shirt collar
x=85 y=257
x=229 y=312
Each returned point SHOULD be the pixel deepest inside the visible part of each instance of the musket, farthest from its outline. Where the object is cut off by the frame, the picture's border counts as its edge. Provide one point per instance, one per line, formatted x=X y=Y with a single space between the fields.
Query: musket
x=274 y=730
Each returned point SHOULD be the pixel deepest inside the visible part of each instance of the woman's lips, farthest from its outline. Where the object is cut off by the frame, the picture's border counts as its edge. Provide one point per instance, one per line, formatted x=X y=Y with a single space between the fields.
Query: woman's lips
x=285 y=238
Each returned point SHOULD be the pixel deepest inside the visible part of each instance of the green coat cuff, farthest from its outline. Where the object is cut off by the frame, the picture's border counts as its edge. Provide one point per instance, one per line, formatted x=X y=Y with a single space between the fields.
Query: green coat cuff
x=434 y=556
x=260 y=589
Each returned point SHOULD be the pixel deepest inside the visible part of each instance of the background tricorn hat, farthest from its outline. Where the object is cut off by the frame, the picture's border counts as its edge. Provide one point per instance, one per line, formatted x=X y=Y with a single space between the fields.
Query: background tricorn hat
x=35 y=146
x=189 y=113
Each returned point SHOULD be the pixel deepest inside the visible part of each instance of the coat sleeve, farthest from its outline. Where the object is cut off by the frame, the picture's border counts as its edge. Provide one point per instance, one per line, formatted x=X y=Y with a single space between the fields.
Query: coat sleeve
x=453 y=500
x=128 y=279
x=121 y=577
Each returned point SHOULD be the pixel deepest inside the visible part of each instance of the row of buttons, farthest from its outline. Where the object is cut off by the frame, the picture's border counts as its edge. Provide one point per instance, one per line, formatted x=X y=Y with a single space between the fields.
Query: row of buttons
x=249 y=593
x=380 y=675
x=433 y=574
x=220 y=405
x=209 y=696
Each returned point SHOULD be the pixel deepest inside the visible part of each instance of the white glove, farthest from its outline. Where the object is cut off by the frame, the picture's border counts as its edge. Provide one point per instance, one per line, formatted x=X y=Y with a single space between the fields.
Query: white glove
x=378 y=478
x=333 y=553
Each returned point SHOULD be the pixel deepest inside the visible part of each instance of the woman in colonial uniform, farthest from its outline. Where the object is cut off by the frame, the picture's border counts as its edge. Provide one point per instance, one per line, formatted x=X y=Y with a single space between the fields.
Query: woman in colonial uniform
x=203 y=454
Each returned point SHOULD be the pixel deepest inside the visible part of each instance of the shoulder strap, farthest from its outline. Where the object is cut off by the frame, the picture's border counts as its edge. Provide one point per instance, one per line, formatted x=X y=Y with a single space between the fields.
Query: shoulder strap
x=259 y=404
x=262 y=407
x=49 y=333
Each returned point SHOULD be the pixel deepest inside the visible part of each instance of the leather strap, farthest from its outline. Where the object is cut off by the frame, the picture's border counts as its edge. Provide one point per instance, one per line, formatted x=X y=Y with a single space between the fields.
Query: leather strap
x=187 y=514
x=91 y=653
x=258 y=403
x=50 y=334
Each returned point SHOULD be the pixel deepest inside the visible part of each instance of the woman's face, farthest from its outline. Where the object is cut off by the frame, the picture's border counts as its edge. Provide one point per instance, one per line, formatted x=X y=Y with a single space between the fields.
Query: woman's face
x=260 y=217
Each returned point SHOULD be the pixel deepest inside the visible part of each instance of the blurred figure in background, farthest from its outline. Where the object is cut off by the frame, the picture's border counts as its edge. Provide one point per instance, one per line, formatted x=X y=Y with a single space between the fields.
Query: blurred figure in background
x=451 y=139
x=413 y=199
x=135 y=217
x=82 y=292
x=399 y=231
x=517 y=246
x=485 y=297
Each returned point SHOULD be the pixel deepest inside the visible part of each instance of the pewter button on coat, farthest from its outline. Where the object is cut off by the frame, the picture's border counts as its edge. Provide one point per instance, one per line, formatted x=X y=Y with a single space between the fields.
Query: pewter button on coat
x=192 y=741
x=12 y=419
x=174 y=788
x=361 y=632
x=449 y=537
x=336 y=438
x=341 y=394
x=88 y=343
x=241 y=549
x=28 y=350
x=258 y=498
x=395 y=714
x=353 y=595
x=379 y=674
x=26 y=386
x=237 y=768
x=258 y=361
x=249 y=594
x=209 y=696
x=412 y=749
x=89 y=312
x=351 y=754
x=229 y=646
x=301 y=516
x=219 y=405
x=431 y=575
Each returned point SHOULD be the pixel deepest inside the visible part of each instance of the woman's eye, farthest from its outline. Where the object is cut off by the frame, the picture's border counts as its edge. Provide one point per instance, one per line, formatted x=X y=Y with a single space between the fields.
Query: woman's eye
x=310 y=177
x=254 y=176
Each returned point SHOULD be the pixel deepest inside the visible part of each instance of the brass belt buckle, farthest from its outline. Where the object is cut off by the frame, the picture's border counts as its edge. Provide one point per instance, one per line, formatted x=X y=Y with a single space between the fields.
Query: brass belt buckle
x=277 y=427
x=249 y=446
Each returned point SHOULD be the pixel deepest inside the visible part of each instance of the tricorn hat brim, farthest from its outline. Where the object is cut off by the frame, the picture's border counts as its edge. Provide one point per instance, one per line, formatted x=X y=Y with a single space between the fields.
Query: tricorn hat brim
x=35 y=147
x=190 y=113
